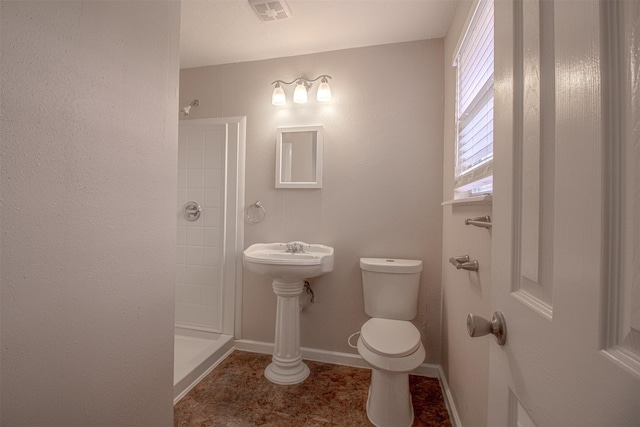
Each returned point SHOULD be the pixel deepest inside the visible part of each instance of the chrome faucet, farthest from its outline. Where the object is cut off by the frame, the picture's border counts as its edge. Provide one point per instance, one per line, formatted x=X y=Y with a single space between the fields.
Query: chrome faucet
x=295 y=248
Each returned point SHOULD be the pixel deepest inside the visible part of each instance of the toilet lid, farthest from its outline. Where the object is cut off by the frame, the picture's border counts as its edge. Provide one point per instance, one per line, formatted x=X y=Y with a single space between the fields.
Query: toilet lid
x=391 y=338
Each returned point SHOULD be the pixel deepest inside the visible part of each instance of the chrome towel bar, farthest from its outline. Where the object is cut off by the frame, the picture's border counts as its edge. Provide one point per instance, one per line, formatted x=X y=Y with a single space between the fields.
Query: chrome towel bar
x=463 y=262
x=481 y=221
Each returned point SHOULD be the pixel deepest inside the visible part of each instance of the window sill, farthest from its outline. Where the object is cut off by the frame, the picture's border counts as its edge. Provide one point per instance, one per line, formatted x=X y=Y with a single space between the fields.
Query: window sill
x=470 y=201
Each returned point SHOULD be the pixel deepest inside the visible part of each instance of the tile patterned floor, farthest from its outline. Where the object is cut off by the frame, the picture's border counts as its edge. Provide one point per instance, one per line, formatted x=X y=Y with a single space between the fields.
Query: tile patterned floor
x=236 y=394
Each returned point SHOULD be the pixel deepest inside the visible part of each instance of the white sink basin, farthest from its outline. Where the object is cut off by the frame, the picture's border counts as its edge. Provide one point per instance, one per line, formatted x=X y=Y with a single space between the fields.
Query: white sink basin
x=273 y=260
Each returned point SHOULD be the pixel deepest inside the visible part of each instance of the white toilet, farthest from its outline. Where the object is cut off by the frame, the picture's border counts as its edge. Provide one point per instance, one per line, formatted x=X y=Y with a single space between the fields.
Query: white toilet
x=388 y=341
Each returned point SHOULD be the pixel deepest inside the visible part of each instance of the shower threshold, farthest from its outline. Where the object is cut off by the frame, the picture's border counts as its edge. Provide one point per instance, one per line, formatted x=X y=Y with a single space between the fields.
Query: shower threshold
x=196 y=353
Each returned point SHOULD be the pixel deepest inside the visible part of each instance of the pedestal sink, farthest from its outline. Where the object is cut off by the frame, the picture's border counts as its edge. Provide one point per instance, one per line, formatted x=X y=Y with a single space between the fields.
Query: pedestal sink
x=288 y=265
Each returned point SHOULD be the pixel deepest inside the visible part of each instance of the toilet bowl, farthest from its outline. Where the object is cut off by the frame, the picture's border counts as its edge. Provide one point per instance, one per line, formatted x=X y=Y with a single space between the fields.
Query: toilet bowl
x=393 y=349
x=389 y=342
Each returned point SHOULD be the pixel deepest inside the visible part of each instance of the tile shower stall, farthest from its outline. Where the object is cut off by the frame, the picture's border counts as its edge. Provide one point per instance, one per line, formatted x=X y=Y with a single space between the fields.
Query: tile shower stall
x=210 y=159
x=199 y=242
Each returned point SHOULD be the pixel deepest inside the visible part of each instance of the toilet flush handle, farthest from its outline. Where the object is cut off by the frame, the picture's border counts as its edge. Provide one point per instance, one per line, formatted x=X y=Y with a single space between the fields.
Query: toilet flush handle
x=479 y=326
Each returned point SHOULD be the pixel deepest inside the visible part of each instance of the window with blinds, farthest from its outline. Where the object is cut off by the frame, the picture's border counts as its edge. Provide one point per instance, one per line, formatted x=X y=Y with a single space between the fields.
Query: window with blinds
x=474 y=105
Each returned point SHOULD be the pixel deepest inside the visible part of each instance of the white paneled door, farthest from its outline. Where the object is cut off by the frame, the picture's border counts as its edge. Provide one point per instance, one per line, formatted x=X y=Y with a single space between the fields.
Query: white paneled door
x=566 y=238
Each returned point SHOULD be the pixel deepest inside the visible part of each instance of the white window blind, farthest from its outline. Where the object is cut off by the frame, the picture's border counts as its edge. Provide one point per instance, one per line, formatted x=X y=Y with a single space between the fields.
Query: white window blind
x=474 y=103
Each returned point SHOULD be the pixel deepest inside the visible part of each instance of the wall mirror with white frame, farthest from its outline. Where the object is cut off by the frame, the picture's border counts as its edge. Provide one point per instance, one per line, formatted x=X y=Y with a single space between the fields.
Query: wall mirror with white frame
x=299 y=157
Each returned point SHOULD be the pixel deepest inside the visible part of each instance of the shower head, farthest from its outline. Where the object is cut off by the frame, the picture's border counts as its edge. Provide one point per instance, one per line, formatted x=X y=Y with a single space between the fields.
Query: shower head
x=186 y=110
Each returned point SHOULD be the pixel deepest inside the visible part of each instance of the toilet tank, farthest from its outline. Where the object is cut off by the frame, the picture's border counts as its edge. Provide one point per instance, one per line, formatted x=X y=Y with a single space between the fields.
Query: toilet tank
x=391 y=287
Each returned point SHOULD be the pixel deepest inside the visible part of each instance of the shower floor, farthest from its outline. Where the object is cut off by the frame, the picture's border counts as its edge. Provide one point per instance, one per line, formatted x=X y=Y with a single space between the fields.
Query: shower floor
x=196 y=353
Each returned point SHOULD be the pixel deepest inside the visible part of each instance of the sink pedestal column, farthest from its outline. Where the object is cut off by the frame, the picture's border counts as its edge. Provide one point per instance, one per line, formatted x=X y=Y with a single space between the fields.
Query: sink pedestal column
x=286 y=366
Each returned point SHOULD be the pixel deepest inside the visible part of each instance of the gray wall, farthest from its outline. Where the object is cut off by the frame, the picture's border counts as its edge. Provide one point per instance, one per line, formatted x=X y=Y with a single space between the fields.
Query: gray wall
x=382 y=176
x=465 y=361
x=88 y=181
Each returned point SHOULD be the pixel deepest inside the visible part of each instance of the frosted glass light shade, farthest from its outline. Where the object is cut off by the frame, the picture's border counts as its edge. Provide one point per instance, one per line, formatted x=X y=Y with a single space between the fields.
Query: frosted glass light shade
x=278 y=97
x=300 y=94
x=324 y=91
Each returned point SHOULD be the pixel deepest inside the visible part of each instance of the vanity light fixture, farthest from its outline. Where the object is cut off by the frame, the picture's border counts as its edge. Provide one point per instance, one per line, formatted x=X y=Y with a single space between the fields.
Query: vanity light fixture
x=302 y=89
x=278 y=97
x=300 y=94
x=324 y=90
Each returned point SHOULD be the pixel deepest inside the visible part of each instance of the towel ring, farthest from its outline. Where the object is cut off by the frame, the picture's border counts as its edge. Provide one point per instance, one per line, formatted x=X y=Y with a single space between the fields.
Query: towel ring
x=254 y=217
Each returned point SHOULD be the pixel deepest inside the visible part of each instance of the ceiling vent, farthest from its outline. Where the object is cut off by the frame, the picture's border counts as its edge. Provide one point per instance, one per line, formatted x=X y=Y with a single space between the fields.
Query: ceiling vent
x=270 y=10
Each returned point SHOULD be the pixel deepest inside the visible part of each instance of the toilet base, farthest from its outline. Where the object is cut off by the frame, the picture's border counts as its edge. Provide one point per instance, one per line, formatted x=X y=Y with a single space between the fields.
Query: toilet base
x=389 y=402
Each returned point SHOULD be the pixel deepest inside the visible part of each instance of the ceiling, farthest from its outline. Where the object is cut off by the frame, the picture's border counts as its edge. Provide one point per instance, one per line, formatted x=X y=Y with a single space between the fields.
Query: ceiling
x=227 y=31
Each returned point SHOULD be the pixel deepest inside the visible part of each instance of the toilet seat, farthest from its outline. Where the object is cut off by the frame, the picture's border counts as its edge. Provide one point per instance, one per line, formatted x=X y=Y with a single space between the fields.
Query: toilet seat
x=396 y=365
x=390 y=338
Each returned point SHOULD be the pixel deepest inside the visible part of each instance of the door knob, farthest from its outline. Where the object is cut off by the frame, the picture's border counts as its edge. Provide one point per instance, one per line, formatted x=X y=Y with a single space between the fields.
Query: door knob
x=479 y=326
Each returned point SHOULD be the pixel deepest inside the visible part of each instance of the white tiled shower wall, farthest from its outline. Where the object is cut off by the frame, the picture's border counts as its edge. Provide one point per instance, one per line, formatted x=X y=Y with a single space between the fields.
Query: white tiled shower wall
x=199 y=243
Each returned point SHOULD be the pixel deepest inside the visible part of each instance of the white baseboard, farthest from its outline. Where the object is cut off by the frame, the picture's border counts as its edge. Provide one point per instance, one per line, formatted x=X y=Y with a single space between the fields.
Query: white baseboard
x=334 y=357
x=254 y=346
x=316 y=355
x=448 y=399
